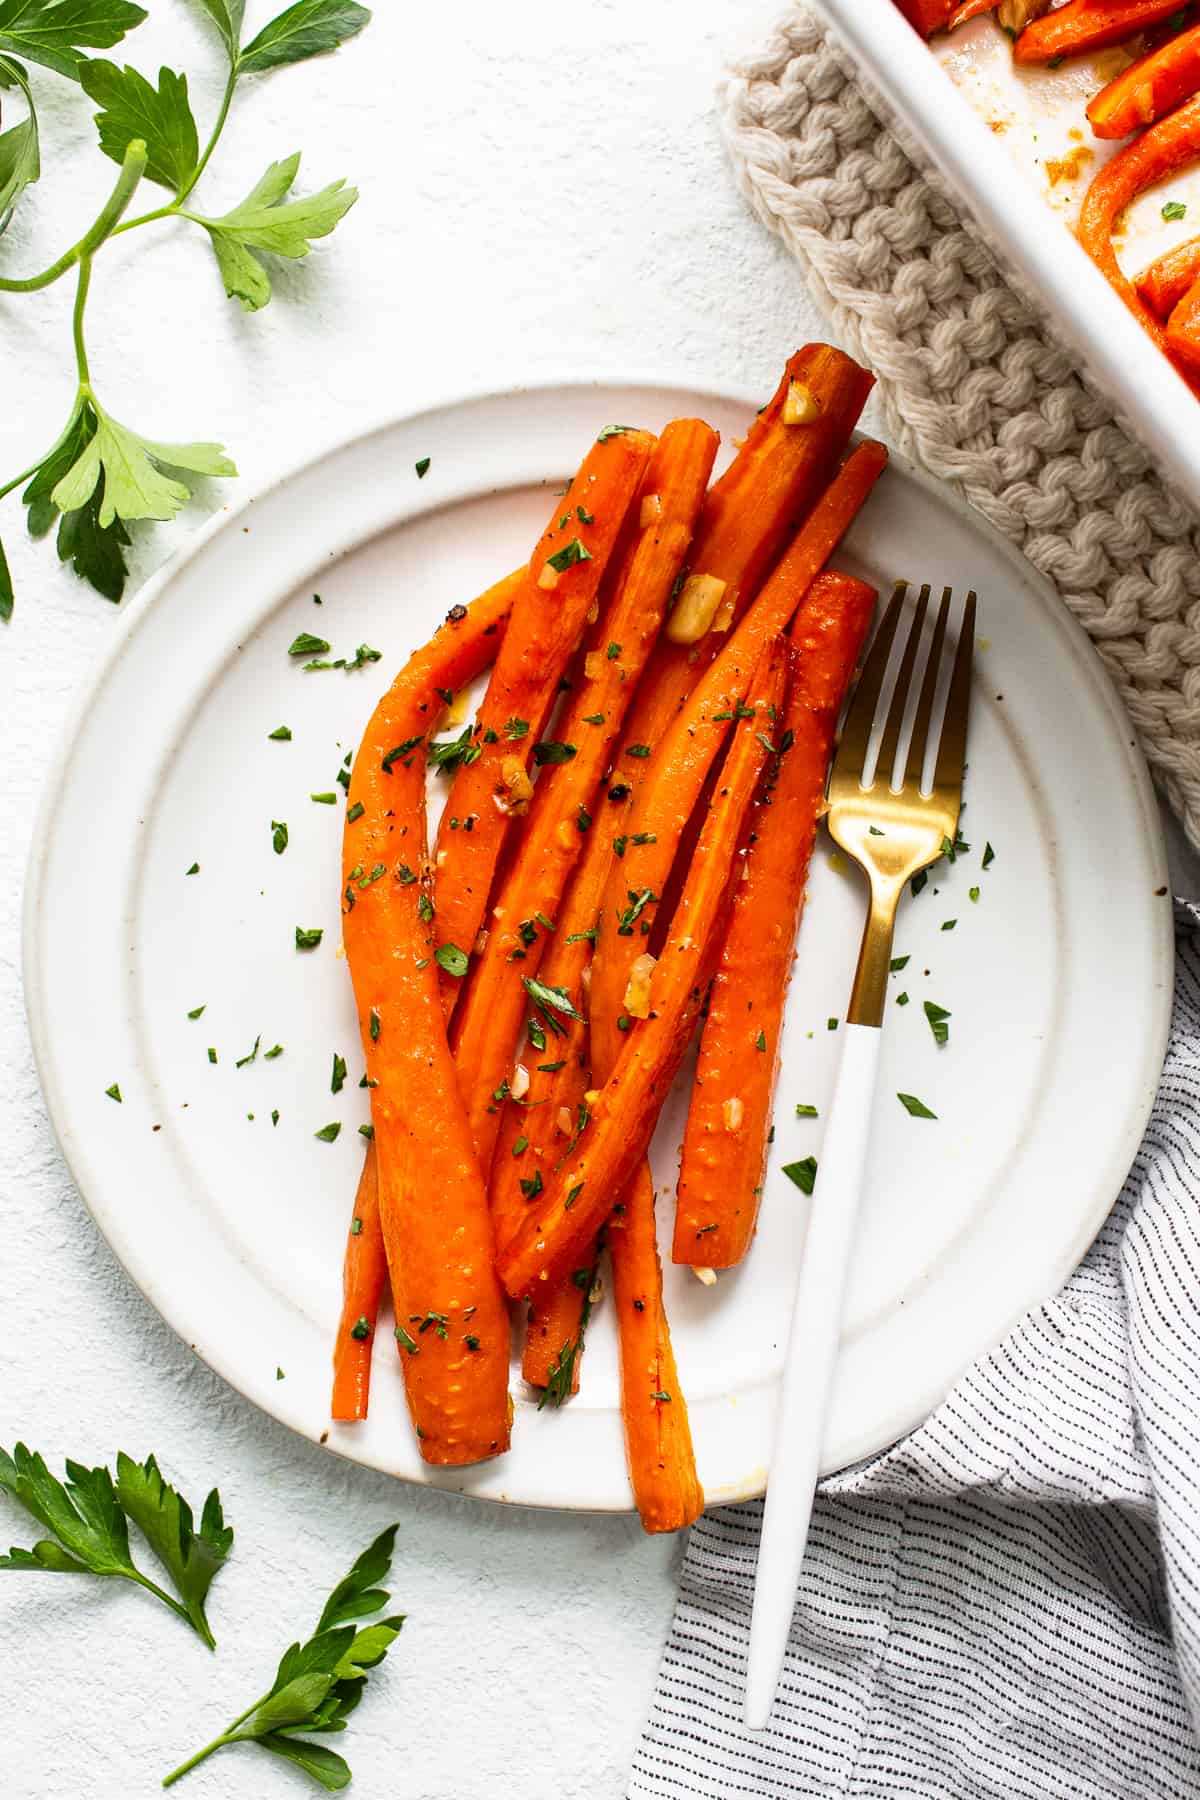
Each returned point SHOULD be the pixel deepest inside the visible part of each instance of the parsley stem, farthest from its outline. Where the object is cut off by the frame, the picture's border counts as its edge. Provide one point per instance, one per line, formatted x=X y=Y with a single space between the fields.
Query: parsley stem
x=218 y=128
x=81 y=294
x=218 y=1743
x=18 y=479
x=152 y=1587
x=102 y=226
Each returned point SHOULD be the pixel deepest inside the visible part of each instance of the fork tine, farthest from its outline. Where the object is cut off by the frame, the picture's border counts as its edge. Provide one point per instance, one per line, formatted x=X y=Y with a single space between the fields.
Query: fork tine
x=856 y=732
x=952 y=749
x=889 y=744
x=920 y=731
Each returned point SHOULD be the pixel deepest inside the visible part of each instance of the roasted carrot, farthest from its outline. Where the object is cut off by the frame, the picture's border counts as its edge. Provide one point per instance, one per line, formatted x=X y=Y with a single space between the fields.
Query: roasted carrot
x=1183 y=330
x=971 y=9
x=765 y=494
x=682 y=758
x=1153 y=85
x=658 y=1439
x=1159 y=151
x=925 y=16
x=562 y=1222
x=1087 y=25
x=1162 y=286
x=725 y=1144
x=451 y=1317
x=491 y=784
x=471 y=644
x=364 y=1272
x=487 y=1022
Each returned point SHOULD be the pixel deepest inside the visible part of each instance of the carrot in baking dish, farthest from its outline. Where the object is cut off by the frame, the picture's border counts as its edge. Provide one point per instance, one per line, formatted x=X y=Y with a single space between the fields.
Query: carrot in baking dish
x=491 y=784
x=451 y=1317
x=925 y=16
x=678 y=762
x=725 y=1144
x=564 y=1218
x=1153 y=85
x=1162 y=286
x=971 y=9
x=1088 y=25
x=522 y=918
x=1158 y=152
x=789 y=455
x=1183 y=330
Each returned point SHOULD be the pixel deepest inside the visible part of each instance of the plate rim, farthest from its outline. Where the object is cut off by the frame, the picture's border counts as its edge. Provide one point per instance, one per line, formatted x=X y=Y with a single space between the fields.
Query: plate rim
x=1082 y=653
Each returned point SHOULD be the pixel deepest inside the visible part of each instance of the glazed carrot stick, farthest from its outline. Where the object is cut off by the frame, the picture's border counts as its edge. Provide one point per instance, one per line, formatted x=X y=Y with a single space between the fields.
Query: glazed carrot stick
x=658 y=1439
x=1153 y=85
x=682 y=758
x=468 y=641
x=1165 y=147
x=487 y=1022
x=1162 y=286
x=925 y=16
x=1087 y=25
x=749 y=515
x=725 y=1144
x=451 y=1317
x=491 y=785
x=363 y=1275
x=1183 y=330
x=971 y=9
x=563 y=1220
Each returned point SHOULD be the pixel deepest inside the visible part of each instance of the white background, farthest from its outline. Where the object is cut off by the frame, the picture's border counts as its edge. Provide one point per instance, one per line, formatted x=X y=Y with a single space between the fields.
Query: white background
x=543 y=192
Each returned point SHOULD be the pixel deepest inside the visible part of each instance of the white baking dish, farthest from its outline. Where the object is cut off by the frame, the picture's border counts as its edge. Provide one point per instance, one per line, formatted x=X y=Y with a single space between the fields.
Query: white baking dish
x=939 y=127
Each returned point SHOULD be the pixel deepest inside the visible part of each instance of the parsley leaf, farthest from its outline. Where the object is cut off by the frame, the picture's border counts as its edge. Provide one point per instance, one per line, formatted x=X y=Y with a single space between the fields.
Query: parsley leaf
x=132 y=470
x=267 y=221
x=54 y=32
x=20 y=159
x=937 y=1016
x=917 y=1108
x=307 y=938
x=227 y=16
x=132 y=108
x=307 y=29
x=549 y=1000
x=452 y=959
x=88 y=1517
x=803 y=1173
x=319 y=1683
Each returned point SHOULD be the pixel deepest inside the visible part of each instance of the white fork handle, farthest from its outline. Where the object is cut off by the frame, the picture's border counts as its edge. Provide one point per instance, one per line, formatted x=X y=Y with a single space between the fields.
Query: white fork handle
x=808 y=1368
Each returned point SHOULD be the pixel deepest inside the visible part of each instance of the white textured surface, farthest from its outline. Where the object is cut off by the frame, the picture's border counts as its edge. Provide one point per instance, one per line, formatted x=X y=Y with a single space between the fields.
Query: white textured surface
x=543 y=190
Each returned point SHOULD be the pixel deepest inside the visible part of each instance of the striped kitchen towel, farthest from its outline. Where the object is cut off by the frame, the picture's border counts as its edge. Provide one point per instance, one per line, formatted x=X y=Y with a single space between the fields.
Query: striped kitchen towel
x=1007 y=1603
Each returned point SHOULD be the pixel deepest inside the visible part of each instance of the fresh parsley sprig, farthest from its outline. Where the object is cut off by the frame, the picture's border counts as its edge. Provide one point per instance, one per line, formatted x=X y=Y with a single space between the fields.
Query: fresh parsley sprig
x=319 y=1683
x=90 y=1515
x=101 y=476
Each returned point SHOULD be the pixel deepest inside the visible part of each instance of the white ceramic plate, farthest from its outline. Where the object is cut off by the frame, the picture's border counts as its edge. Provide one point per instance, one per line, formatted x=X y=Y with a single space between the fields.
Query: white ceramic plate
x=1058 y=978
x=940 y=104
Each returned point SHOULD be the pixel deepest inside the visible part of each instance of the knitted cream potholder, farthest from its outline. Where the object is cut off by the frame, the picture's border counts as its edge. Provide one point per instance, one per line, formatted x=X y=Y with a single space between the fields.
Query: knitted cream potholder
x=972 y=384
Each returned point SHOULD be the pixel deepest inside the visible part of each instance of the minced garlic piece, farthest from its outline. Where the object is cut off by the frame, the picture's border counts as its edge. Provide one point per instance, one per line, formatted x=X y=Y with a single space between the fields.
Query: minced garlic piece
x=518 y=1087
x=801 y=406
x=651 y=509
x=563 y=1121
x=695 y=609
x=515 y=777
x=548 y=577
x=707 y=1276
x=733 y=1112
x=637 y=991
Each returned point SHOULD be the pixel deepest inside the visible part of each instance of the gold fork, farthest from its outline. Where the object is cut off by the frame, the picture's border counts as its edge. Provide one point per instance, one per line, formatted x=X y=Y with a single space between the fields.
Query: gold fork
x=891 y=832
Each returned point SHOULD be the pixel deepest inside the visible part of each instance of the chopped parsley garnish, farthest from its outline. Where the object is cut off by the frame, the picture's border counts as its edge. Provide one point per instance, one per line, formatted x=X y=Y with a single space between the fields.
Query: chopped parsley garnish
x=613 y=651
x=805 y=1112
x=452 y=959
x=471 y=1341
x=279 y=836
x=307 y=645
x=593 y=718
x=422 y=467
x=989 y=856
x=114 y=1093
x=584 y=517
x=917 y=1108
x=404 y=875
x=212 y=1055
x=549 y=1000
x=572 y=1196
x=973 y=894
x=196 y=1011
x=831 y=1024
x=356 y=1228
x=901 y=999
x=899 y=962
x=337 y=1080
x=273 y=1052
x=367 y=1131
x=551 y=752
x=388 y=762
x=611 y=431
x=1174 y=209
x=325 y=799
x=374 y=1024
x=570 y=554
x=194 y=870
x=250 y=1056
x=410 y=1343
x=803 y=1173
x=454 y=753
x=642 y=750
x=619 y=844
x=583 y=819
x=361 y=1328
x=533 y=1185
x=918 y=881
x=516 y=728
x=328 y=1133
x=644 y=837
x=639 y=900
x=275 y=1117
x=937 y=1016
x=952 y=851
x=282 y=734
x=520 y=1145
x=579 y=937
x=949 y=924
x=376 y=873
x=660 y=1394
x=355 y=812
